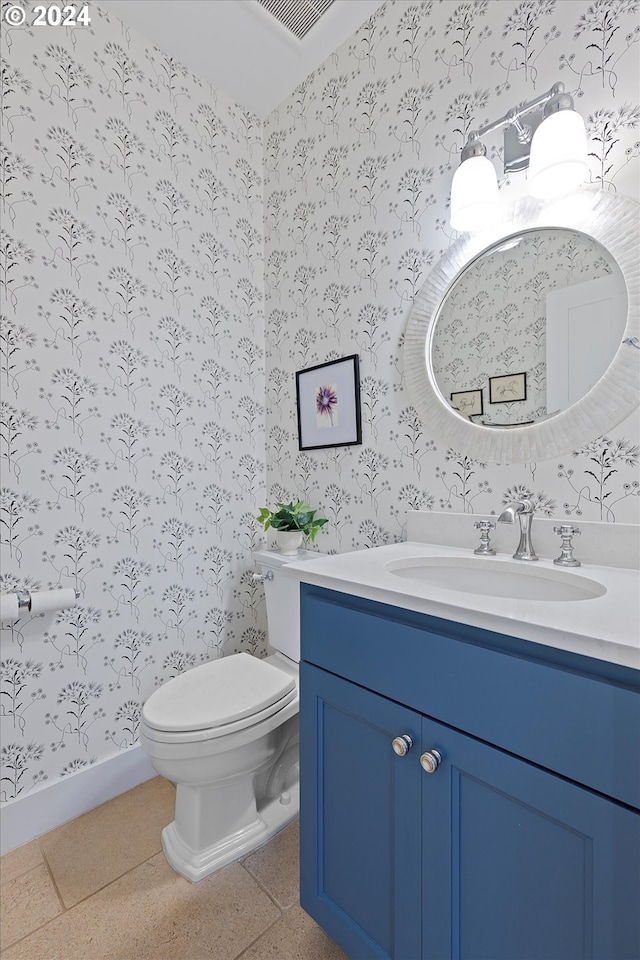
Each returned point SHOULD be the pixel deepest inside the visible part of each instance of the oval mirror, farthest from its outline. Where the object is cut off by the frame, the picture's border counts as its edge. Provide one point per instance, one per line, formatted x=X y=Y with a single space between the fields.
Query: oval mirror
x=522 y=344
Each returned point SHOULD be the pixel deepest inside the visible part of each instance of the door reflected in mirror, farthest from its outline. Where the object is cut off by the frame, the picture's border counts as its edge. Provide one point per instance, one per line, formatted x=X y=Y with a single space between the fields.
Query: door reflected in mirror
x=543 y=312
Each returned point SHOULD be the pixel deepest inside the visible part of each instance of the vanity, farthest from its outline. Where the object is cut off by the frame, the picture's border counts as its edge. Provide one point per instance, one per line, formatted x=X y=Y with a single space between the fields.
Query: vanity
x=470 y=765
x=470 y=724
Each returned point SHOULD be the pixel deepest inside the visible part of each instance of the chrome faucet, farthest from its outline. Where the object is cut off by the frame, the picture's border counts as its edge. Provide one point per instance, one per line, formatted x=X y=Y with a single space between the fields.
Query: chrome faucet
x=523 y=510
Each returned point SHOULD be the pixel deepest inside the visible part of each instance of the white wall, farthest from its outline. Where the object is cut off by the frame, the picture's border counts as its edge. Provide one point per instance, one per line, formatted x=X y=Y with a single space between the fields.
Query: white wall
x=133 y=386
x=358 y=164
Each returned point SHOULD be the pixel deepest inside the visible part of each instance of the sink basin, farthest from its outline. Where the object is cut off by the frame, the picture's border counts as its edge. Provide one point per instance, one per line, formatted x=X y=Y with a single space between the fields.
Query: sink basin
x=517 y=580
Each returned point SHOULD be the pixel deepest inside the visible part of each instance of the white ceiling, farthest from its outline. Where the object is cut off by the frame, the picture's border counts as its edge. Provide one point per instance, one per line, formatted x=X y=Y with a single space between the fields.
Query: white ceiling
x=237 y=46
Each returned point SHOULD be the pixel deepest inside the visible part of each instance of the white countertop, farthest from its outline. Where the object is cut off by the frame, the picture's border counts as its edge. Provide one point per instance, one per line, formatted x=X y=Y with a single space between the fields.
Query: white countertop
x=605 y=627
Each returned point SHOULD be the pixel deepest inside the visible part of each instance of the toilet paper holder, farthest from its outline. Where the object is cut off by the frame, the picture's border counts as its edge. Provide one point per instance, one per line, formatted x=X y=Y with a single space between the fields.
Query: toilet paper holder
x=24 y=598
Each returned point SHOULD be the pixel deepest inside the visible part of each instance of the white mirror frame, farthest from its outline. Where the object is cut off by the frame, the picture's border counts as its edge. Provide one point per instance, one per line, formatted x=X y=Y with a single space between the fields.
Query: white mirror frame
x=613 y=221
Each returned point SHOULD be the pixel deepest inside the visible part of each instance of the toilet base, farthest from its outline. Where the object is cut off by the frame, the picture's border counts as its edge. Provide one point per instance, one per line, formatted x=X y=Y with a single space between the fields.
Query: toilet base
x=195 y=865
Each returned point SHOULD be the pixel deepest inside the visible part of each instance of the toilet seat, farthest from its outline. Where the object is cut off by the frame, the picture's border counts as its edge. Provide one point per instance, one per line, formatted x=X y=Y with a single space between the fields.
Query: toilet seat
x=217 y=698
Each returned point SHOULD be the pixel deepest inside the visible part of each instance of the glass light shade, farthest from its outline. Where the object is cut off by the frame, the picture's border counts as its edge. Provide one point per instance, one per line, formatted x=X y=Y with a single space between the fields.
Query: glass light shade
x=558 y=161
x=474 y=195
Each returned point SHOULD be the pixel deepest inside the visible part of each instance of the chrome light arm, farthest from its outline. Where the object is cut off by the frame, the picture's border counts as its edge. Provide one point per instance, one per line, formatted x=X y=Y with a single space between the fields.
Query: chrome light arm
x=512 y=118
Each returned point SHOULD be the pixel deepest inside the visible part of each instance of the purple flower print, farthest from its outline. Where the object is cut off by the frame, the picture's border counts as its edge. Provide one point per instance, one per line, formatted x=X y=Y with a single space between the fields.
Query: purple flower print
x=326 y=405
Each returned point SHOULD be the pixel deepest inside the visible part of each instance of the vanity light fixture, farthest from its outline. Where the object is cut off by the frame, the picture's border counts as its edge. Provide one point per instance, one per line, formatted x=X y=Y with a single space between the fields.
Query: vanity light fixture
x=552 y=144
x=474 y=190
x=558 y=159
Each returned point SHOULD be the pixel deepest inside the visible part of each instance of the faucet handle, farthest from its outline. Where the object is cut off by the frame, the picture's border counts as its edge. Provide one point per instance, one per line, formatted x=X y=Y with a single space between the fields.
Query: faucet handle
x=485 y=549
x=567 y=532
x=484 y=525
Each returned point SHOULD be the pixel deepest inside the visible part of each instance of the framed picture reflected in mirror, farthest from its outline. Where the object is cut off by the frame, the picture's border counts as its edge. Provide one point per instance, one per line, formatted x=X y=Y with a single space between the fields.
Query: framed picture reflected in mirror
x=508 y=388
x=467 y=402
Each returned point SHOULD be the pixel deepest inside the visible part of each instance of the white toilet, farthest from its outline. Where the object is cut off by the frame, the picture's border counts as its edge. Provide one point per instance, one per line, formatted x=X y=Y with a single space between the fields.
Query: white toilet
x=226 y=733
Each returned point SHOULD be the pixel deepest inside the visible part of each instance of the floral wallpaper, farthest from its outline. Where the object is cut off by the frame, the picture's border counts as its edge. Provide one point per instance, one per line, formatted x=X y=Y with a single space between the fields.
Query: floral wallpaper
x=358 y=168
x=169 y=262
x=493 y=321
x=132 y=341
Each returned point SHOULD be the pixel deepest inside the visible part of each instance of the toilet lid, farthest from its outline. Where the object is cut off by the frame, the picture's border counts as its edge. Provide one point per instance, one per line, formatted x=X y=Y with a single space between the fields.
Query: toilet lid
x=216 y=693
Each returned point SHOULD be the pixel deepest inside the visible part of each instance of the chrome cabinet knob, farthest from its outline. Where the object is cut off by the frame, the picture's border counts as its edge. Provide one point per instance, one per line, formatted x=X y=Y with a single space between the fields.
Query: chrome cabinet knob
x=402 y=745
x=430 y=761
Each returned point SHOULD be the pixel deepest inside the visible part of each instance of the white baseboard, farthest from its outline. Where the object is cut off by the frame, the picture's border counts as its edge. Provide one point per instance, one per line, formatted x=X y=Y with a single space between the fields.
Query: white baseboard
x=30 y=816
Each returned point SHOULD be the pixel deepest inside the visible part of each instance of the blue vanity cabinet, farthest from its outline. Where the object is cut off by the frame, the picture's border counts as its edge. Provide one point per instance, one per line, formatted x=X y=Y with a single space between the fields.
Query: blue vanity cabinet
x=359 y=817
x=520 y=863
x=493 y=855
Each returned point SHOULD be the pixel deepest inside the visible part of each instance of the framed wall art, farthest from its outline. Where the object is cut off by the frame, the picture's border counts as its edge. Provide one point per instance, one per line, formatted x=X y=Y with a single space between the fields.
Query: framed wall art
x=508 y=388
x=467 y=402
x=328 y=402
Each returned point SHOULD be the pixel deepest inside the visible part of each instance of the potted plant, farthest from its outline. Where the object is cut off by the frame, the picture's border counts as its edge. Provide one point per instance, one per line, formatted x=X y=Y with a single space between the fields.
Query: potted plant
x=291 y=522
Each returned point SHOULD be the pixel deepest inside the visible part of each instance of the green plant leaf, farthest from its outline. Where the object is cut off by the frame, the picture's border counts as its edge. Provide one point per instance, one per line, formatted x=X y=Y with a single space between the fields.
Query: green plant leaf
x=292 y=516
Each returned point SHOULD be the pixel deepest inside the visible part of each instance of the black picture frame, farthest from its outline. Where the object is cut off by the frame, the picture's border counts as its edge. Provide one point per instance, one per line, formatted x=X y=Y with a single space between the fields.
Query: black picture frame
x=468 y=403
x=328 y=404
x=508 y=388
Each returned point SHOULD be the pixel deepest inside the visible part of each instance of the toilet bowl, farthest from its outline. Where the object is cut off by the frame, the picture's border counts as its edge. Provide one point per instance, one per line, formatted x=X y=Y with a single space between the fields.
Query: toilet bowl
x=226 y=733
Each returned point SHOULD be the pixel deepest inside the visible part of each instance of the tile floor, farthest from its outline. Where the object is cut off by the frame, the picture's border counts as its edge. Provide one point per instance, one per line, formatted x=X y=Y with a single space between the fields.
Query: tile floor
x=99 y=888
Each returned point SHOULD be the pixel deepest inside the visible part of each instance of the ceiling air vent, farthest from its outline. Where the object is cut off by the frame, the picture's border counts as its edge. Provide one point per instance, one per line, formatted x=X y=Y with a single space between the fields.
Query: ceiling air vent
x=298 y=16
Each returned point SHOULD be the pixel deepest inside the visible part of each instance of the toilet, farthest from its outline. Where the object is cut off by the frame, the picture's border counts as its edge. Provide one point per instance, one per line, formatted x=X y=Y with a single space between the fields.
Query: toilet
x=226 y=733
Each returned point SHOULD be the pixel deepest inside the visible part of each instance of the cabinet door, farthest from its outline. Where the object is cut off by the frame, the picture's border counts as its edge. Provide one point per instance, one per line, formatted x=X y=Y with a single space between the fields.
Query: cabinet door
x=519 y=863
x=360 y=818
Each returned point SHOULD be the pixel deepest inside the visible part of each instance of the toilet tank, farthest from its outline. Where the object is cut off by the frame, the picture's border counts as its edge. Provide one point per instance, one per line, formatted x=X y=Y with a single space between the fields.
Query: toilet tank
x=283 y=600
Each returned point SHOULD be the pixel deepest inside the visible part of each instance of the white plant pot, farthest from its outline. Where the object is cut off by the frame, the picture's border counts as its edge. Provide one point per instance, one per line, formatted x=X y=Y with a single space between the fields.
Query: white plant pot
x=288 y=541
